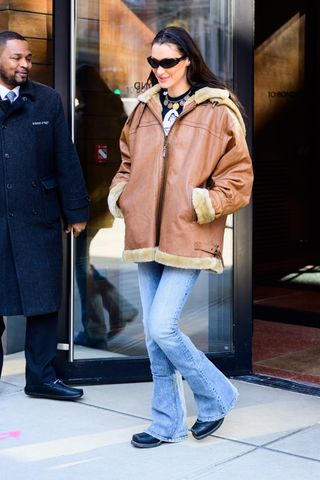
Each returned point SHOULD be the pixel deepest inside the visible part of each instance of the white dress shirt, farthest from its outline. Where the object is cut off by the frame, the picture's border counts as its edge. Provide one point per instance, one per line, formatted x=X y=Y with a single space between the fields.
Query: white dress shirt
x=4 y=90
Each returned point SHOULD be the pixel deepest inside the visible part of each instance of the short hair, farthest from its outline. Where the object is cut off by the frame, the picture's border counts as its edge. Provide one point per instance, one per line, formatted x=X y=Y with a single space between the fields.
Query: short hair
x=9 y=35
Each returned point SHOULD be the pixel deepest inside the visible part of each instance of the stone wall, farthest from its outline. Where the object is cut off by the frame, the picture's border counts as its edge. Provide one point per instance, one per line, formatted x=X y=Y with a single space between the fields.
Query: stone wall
x=33 y=20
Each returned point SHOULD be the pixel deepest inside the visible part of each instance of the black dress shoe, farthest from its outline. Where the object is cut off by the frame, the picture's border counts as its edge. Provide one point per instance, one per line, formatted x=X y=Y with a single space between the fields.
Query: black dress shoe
x=202 y=430
x=144 y=440
x=55 y=390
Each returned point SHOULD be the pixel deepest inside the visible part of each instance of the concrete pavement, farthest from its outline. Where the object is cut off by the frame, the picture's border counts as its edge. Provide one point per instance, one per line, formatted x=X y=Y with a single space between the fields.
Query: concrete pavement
x=271 y=433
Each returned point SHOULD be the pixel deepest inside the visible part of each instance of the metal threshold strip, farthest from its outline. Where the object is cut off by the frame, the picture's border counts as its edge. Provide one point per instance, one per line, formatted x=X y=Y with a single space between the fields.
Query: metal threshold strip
x=281 y=383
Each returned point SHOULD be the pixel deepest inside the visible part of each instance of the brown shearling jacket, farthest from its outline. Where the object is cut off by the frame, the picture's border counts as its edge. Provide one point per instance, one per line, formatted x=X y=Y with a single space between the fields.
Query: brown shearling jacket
x=175 y=192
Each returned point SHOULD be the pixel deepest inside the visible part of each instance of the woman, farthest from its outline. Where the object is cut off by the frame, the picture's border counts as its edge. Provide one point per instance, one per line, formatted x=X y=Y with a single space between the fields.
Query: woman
x=185 y=167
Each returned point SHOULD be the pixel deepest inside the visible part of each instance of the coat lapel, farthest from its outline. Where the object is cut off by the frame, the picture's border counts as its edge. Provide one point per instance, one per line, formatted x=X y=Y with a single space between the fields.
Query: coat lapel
x=7 y=109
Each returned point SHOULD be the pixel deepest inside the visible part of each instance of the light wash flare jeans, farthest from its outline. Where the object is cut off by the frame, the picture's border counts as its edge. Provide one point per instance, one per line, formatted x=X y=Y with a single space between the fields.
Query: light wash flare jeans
x=164 y=292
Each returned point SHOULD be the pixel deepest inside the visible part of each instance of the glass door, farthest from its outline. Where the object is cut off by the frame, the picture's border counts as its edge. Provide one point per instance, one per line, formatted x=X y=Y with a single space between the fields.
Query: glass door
x=112 y=39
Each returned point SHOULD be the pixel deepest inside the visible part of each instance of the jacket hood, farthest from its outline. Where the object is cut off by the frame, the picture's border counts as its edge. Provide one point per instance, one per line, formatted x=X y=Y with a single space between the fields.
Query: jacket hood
x=216 y=96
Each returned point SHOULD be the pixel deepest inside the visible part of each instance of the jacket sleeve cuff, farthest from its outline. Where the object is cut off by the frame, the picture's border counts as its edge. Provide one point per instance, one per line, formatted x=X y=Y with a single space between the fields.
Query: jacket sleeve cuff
x=203 y=206
x=113 y=197
x=77 y=216
x=76 y=210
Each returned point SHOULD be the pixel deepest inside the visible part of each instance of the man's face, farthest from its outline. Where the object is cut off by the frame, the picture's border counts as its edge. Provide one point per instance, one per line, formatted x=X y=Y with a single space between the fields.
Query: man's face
x=15 y=63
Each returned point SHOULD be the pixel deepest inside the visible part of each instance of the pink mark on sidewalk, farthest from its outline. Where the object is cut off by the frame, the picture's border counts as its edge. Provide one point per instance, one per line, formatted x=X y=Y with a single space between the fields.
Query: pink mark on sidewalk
x=5 y=435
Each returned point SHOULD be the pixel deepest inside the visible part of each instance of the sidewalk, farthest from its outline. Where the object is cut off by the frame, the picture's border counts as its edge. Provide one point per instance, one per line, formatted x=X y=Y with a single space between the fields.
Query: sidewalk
x=271 y=434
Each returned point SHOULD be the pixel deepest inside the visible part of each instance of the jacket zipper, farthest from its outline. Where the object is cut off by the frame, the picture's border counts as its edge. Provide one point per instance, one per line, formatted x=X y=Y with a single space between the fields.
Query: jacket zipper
x=164 y=175
x=162 y=184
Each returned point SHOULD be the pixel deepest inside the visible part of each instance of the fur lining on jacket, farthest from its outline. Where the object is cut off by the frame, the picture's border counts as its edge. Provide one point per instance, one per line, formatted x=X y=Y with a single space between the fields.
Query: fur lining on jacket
x=213 y=264
x=139 y=255
x=113 y=198
x=202 y=204
x=216 y=96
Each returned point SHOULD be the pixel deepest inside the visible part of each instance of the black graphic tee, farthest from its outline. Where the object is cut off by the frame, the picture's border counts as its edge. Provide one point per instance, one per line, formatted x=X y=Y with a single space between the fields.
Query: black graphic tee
x=172 y=107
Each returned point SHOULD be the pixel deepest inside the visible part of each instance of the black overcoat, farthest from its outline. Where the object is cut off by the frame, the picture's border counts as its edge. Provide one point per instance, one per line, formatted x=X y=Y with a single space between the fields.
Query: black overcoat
x=41 y=188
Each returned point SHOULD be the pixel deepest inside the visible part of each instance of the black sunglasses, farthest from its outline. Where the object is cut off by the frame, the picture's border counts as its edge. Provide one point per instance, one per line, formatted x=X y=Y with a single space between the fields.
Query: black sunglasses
x=165 y=62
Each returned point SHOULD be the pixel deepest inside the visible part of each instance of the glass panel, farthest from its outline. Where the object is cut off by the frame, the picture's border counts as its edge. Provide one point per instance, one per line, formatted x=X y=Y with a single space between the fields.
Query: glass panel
x=113 y=39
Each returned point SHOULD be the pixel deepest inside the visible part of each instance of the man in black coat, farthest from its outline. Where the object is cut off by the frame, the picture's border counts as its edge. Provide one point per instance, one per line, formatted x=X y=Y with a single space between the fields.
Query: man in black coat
x=41 y=183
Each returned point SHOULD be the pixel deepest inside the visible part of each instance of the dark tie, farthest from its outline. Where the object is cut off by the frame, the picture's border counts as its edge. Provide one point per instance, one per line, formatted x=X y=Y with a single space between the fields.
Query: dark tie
x=11 y=96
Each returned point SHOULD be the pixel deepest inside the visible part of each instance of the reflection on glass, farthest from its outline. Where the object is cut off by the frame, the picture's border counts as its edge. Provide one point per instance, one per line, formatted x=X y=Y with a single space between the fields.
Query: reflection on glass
x=112 y=43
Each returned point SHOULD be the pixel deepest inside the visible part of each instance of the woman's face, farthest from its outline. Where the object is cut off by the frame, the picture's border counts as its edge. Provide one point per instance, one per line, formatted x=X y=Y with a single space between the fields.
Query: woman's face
x=173 y=79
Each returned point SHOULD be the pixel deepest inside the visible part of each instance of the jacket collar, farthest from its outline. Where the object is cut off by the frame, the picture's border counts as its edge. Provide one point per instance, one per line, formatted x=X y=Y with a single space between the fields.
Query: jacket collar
x=151 y=93
x=200 y=96
x=217 y=96
x=27 y=89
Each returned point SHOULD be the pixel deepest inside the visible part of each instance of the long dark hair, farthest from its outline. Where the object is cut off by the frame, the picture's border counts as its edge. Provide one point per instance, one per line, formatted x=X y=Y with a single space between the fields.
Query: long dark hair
x=198 y=73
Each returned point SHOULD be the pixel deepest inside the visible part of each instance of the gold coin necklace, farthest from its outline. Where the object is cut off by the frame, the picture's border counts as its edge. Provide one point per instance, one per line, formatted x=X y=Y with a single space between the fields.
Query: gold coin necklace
x=176 y=103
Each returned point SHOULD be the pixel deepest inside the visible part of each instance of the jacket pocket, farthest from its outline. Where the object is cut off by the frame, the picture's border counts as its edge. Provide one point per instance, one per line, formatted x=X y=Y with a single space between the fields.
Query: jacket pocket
x=51 y=200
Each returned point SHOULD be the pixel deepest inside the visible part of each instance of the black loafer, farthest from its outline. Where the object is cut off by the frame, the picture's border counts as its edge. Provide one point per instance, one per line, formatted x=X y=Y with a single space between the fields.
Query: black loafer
x=55 y=390
x=202 y=430
x=144 y=440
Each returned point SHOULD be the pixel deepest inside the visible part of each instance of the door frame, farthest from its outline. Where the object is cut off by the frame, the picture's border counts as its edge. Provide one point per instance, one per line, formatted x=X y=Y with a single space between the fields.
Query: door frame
x=137 y=369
